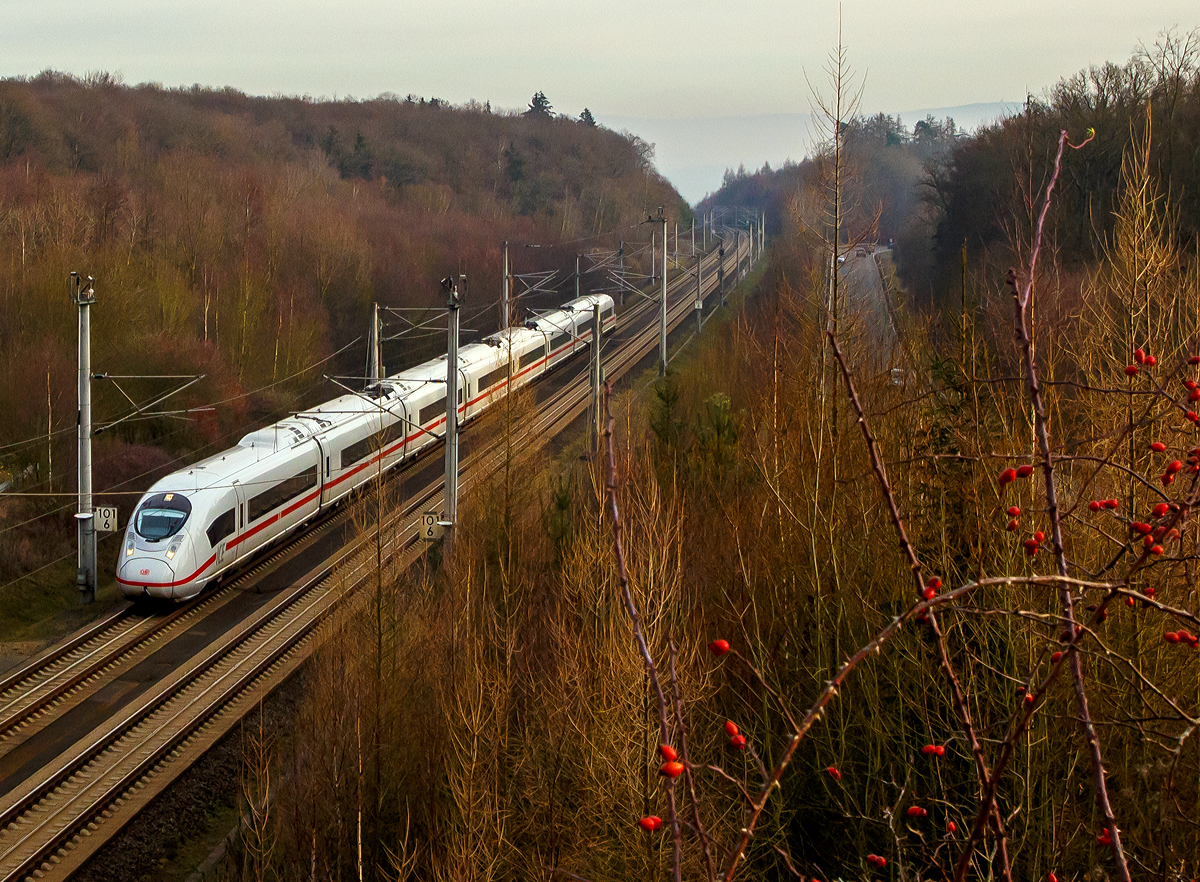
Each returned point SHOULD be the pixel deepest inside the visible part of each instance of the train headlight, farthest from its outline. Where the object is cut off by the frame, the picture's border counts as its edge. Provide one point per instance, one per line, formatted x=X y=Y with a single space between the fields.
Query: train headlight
x=174 y=546
x=129 y=549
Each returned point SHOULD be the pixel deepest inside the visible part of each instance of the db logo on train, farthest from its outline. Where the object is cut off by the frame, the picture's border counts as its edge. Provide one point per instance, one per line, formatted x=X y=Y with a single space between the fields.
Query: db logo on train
x=145 y=572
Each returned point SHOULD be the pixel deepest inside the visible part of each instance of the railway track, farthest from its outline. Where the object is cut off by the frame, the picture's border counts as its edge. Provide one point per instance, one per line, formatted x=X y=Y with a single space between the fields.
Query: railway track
x=63 y=810
x=52 y=684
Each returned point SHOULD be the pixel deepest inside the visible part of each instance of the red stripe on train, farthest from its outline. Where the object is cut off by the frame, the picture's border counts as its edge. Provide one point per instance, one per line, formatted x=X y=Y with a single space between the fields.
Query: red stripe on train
x=208 y=563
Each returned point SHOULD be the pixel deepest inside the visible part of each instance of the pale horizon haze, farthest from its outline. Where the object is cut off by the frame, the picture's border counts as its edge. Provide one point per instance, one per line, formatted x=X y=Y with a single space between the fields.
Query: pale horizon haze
x=713 y=85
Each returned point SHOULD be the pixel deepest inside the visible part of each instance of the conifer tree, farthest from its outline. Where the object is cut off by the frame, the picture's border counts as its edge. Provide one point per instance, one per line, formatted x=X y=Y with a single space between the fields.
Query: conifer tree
x=540 y=105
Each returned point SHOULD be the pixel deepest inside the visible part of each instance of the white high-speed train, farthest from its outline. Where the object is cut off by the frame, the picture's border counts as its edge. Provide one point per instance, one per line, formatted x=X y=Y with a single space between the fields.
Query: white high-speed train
x=200 y=522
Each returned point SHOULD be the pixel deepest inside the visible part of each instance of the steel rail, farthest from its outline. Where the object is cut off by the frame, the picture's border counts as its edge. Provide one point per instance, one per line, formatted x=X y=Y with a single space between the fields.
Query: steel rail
x=56 y=681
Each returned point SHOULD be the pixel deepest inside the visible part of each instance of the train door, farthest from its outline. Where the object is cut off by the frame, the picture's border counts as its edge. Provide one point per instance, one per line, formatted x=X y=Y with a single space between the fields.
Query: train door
x=234 y=545
x=323 y=469
x=464 y=390
x=223 y=529
x=403 y=428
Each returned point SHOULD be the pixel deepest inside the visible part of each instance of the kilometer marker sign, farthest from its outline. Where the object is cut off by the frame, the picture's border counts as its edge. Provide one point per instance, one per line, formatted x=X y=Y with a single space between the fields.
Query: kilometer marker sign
x=431 y=529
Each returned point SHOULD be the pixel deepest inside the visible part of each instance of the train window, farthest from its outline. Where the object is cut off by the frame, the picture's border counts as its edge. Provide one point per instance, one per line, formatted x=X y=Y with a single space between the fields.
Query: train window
x=491 y=378
x=530 y=357
x=584 y=327
x=285 y=491
x=220 y=528
x=560 y=340
x=162 y=515
x=431 y=412
x=371 y=444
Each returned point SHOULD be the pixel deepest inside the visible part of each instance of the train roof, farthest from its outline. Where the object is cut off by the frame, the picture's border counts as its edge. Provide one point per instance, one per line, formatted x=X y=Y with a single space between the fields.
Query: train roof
x=566 y=314
x=279 y=436
x=221 y=468
x=331 y=414
x=477 y=353
x=587 y=302
x=216 y=470
x=422 y=374
x=434 y=371
x=516 y=335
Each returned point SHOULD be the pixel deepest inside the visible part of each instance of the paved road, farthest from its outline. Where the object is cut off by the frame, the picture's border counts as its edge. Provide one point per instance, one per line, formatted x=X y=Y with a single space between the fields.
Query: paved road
x=866 y=322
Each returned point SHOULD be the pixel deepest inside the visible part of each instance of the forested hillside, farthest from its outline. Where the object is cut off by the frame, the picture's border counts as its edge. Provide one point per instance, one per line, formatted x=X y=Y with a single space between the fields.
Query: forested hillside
x=983 y=191
x=245 y=238
x=920 y=593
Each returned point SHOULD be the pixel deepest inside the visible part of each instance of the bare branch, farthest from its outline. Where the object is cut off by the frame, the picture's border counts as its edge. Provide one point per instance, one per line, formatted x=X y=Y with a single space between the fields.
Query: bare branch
x=631 y=608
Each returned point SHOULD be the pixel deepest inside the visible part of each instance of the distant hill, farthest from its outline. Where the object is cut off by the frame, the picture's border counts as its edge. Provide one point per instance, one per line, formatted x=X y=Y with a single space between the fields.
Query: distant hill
x=694 y=153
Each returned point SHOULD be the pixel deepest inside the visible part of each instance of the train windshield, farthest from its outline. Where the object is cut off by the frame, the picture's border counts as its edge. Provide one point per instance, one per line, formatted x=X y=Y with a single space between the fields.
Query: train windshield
x=162 y=515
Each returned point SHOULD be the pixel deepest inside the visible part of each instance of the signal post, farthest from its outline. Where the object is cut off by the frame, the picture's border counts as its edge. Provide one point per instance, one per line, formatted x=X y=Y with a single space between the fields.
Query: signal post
x=83 y=296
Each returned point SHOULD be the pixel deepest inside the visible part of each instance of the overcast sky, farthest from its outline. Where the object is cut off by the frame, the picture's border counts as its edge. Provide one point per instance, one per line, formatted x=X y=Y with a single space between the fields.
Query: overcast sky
x=624 y=60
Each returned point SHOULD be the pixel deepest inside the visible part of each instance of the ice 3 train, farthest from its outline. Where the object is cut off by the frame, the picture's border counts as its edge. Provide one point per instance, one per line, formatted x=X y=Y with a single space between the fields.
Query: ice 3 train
x=202 y=521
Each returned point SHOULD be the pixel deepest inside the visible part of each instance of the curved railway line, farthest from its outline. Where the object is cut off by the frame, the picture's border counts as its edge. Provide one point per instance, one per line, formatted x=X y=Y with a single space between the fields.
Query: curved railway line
x=97 y=726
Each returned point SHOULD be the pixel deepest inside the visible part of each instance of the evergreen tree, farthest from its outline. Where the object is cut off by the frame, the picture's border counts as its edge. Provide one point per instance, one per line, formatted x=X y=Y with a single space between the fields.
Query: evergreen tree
x=540 y=106
x=587 y=119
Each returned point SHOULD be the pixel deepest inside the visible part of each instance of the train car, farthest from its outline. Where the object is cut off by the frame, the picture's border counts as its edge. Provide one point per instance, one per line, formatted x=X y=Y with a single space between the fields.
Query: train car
x=530 y=348
x=483 y=369
x=569 y=328
x=518 y=352
x=196 y=523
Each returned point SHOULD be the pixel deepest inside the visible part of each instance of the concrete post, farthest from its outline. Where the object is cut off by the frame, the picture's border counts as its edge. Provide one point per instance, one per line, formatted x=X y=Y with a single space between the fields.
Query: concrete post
x=621 y=272
x=83 y=295
x=374 y=348
x=504 y=292
x=450 y=487
x=662 y=325
x=721 y=272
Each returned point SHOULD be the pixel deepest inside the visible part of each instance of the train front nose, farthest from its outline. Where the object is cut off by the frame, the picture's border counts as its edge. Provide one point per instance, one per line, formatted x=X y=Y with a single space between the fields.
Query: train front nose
x=145 y=575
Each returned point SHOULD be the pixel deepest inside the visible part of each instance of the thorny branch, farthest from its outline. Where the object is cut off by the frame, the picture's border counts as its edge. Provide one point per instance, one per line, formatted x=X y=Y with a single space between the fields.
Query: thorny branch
x=1022 y=294
x=687 y=764
x=960 y=701
x=638 y=634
